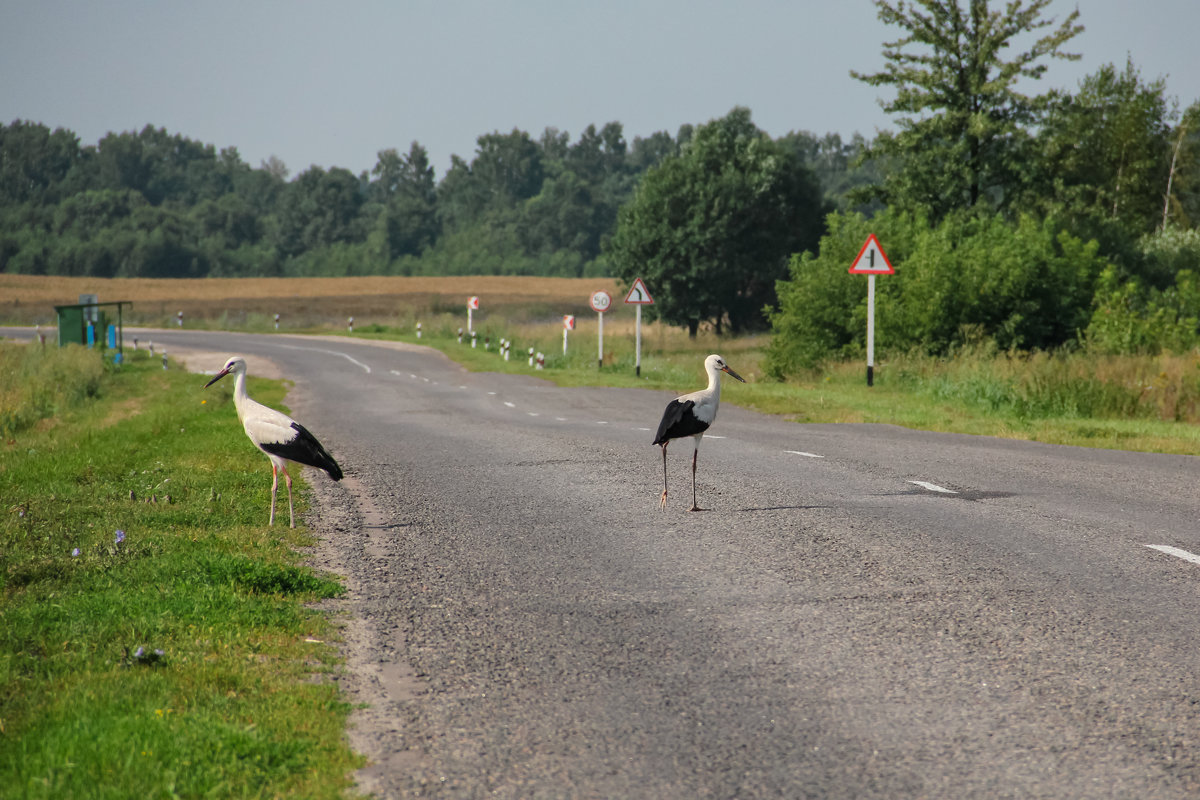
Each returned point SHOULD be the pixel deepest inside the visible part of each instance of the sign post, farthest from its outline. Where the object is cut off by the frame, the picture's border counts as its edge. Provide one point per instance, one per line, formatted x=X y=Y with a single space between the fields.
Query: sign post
x=871 y=261
x=568 y=326
x=472 y=305
x=638 y=296
x=600 y=303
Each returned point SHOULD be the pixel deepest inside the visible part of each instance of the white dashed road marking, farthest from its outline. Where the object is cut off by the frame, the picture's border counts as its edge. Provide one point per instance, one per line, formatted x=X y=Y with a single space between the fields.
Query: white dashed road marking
x=933 y=487
x=802 y=453
x=1175 y=551
x=349 y=358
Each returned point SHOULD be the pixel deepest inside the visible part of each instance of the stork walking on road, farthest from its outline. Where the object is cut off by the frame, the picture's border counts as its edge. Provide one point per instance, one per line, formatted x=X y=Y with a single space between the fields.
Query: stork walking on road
x=690 y=415
x=280 y=437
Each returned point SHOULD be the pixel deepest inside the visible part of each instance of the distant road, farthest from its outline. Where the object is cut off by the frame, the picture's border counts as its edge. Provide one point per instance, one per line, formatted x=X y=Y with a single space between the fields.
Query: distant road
x=866 y=611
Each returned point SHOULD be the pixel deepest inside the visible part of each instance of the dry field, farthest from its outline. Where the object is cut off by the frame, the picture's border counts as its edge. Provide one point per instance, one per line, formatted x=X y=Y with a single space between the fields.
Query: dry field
x=304 y=302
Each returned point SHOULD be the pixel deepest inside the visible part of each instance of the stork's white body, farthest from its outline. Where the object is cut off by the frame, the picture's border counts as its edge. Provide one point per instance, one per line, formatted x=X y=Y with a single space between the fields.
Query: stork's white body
x=691 y=415
x=280 y=438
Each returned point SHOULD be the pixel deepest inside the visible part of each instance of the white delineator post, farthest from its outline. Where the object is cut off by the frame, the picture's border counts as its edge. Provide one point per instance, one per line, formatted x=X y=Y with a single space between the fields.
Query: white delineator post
x=870 y=330
x=637 y=368
x=600 y=337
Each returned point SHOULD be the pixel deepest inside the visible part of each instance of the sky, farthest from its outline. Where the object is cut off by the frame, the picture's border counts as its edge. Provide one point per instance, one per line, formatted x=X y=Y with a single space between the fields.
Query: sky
x=333 y=83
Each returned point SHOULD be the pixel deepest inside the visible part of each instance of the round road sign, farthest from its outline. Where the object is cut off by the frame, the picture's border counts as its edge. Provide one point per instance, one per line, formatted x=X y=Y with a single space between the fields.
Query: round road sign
x=601 y=301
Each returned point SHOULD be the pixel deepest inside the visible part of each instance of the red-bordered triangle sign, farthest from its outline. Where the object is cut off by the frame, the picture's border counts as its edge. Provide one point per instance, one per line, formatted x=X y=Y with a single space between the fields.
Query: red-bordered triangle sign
x=871 y=260
x=638 y=294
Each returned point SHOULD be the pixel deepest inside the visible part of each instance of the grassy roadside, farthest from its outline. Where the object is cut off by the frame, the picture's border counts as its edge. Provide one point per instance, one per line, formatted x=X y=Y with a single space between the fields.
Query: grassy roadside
x=154 y=634
x=1141 y=403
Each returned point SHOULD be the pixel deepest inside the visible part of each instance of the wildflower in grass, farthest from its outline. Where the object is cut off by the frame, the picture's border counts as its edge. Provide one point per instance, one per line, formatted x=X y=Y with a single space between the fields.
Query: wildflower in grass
x=75 y=553
x=120 y=536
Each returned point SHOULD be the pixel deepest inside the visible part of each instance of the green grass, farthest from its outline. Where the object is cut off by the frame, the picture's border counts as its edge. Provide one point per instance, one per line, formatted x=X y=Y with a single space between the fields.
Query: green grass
x=182 y=660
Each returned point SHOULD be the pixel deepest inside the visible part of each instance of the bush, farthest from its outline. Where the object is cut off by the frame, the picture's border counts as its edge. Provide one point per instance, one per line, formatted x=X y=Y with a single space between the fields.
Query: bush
x=1025 y=285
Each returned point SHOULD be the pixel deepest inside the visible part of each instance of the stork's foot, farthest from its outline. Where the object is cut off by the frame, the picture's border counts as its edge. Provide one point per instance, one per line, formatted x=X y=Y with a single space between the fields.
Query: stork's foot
x=695 y=508
x=662 y=501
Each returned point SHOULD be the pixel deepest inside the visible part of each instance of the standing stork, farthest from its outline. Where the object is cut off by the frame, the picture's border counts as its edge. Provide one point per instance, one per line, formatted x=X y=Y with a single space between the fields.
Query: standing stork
x=690 y=415
x=280 y=437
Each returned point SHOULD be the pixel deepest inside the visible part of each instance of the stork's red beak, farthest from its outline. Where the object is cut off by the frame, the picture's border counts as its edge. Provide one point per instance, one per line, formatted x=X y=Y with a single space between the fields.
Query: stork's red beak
x=217 y=377
x=723 y=369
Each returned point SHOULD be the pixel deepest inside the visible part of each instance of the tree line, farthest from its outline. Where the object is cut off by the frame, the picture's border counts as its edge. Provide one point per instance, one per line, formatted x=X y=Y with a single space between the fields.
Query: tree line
x=1067 y=218
x=157 y=204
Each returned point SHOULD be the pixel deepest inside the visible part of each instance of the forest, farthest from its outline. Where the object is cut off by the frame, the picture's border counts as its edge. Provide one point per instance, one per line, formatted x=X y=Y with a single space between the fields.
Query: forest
x=1030 y=221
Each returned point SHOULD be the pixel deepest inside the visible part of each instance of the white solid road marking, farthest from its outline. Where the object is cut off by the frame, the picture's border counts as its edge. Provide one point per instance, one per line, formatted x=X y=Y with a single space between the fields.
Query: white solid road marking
x=1175 y=551
x=933 y=487
x=802 y=453
x=349 y=358
x=710 y=436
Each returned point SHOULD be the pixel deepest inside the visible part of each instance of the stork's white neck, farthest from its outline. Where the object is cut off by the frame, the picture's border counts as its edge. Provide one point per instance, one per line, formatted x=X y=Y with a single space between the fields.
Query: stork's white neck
x=240 y=395
x=714 y=383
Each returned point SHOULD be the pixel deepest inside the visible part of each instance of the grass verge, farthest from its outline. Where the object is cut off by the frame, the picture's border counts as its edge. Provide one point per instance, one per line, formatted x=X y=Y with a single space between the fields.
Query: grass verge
x=155 y=638
x=1142 y=403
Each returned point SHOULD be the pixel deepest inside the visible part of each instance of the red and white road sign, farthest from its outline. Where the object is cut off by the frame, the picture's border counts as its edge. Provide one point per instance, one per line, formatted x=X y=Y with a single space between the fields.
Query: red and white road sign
x=871 y=260
x=638 y=294
x=568 y=322
x=473 y=303
x=601 y=301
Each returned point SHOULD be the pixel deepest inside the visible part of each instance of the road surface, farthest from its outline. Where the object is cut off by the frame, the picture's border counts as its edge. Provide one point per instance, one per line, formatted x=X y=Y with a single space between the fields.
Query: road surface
x=865 y=611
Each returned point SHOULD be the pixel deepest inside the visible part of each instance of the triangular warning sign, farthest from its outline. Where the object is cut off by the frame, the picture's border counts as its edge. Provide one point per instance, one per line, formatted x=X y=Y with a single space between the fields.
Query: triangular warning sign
x=871 y=260
x=638 y=294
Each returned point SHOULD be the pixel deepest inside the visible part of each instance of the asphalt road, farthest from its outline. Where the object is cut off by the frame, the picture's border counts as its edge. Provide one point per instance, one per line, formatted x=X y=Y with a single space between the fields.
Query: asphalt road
x=865 y=611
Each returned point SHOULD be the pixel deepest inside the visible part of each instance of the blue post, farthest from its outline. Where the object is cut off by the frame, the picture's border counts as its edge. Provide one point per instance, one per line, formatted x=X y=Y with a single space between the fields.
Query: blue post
x=91 y=335
x=112 y=336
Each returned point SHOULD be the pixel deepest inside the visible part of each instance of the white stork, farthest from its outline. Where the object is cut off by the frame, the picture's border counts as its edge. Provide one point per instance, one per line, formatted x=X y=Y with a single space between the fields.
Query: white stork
x=280 y=437
x=690 y=415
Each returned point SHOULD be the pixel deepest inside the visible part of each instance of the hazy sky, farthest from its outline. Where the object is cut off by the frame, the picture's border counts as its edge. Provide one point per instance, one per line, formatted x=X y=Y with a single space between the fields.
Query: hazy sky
x=333 y=83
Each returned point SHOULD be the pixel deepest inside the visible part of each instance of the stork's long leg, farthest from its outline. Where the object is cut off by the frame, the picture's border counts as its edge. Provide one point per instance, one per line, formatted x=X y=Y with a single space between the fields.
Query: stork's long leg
x=274 y=489
x=695 y=505
x=662 y=502
x=287 y=476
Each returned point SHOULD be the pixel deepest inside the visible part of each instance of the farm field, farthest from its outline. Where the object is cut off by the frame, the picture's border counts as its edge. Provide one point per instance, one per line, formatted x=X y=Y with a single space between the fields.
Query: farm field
x=302 y=303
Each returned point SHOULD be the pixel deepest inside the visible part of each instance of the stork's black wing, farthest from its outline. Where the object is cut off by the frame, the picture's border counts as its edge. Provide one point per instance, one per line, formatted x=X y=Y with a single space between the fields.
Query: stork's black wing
x=303 y=448
x=678 y=421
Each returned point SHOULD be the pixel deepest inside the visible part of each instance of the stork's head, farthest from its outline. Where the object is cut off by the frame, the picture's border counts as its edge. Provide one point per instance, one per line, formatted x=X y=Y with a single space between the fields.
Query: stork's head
x=234 y=364
x=715 y=363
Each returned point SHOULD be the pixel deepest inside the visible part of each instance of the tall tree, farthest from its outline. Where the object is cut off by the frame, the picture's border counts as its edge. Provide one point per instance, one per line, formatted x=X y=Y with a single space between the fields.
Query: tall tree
x=1104 y=153
x=963 y=129
x=711 y=229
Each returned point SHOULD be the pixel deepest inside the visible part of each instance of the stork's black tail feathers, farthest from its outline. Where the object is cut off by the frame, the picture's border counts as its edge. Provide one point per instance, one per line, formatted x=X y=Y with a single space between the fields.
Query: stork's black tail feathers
x=305 y=449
